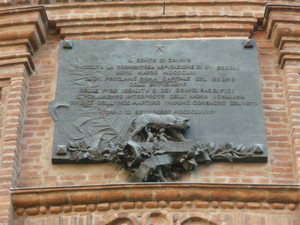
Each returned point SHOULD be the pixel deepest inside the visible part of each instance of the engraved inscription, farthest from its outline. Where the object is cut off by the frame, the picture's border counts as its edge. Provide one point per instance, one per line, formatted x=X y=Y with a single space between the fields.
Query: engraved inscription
x=215 y=83
x=165 y=81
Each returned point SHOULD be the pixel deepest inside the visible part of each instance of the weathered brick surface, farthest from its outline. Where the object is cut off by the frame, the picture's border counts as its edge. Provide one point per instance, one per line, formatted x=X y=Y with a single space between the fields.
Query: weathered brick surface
x=54 y=199
x=18 y=39
x=26 y=129
x=84 y=197
x=227 y=218
x=285 y=38
x=39 y=127
x=55 y=209
x=201 y=204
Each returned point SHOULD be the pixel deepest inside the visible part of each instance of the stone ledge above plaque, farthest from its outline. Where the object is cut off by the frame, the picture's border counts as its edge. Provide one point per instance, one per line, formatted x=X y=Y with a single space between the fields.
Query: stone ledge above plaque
x=104 y=86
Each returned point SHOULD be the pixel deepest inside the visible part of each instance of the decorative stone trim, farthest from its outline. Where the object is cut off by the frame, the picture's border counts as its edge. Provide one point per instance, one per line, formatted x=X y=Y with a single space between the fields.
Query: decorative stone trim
x=283 y=29
x=145 y=19
x=129 y=3
x=281 y=21
x=173 y=206
x=104 y=28
x=22 y=31
x=18 y=32
x=15 y=27
x=169 y=196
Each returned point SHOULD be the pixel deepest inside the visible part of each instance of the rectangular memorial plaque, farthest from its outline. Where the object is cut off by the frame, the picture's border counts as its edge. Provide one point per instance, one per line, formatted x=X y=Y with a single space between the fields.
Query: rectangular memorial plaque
x=105 y=85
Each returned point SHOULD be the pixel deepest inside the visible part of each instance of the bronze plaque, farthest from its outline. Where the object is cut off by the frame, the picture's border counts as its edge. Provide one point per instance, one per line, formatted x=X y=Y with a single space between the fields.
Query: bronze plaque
x=103 y=86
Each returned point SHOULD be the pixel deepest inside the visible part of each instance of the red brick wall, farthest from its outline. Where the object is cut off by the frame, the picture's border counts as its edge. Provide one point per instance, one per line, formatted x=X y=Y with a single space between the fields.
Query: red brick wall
x=152 y=204
x=37 y=170
x=28 y=61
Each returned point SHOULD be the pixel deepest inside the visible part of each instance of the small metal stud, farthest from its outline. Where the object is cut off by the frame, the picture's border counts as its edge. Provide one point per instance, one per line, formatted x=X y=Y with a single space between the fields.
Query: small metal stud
x=258 y=149
x=68 y=44
x=248 y=44
x=61 y=150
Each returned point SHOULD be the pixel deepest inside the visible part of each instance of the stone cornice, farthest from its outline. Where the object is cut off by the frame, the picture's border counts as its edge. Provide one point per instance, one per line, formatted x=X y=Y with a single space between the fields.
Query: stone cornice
x=131 y=19
x=24 y=42
x=20 y=18
x=157 y=3
x=281 y=21
x=280 y=187
x=22 y=27
x=108 y=22
x=101 y=197
x=273 y=7
x=139 y=2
